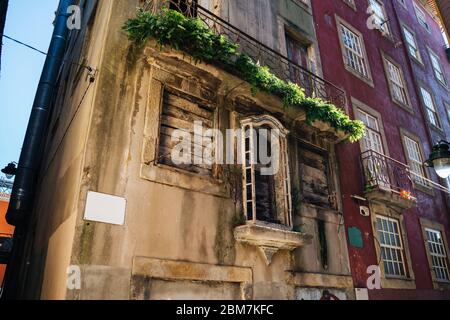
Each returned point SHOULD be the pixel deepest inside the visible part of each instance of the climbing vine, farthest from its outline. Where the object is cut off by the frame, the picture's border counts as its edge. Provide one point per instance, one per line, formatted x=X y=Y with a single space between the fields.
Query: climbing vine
x=191 y=35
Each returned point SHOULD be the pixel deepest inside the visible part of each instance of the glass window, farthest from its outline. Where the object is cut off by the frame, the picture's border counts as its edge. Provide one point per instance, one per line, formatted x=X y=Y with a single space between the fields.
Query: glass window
x=381 y=17
x=353 y=53
x=438 y=254
x=413 y=48
x=396 y=83
x=372 y=139
x=261 y=190
x=391 y=246
x=431 y=108
x=415 y=160
x=422 y=17
x=437 y=67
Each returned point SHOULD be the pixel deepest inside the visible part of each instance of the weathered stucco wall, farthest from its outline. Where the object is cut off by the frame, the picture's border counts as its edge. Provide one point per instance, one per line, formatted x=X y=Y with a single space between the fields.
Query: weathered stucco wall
x=177 y=240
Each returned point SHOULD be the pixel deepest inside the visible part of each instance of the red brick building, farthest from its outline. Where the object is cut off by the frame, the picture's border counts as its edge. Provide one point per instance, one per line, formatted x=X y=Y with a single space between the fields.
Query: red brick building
x=391 y=62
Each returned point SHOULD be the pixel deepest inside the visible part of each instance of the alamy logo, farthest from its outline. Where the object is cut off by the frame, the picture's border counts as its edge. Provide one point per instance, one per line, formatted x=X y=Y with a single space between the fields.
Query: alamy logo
x=73 y=278
x=374 y=280
x=74 y=19
x=262 y=147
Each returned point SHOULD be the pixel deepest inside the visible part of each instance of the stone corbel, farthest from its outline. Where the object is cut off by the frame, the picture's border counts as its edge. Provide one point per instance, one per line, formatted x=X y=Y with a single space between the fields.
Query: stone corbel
x=270 y=239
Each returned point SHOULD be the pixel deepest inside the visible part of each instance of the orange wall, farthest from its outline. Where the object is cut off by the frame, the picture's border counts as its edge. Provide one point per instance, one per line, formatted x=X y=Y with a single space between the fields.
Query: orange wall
x=4 y=228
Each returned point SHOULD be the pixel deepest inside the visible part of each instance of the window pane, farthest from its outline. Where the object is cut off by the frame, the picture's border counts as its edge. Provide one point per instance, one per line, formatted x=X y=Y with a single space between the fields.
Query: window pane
x=391 y=247
x=437 y=251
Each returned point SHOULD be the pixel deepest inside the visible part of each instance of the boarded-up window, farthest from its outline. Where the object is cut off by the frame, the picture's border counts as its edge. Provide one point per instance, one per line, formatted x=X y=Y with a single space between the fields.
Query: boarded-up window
x=181 y=111
x=314 y=176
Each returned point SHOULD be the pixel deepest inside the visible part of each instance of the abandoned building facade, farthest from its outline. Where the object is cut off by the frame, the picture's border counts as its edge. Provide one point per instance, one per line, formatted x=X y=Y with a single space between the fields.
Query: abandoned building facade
x=227 y=231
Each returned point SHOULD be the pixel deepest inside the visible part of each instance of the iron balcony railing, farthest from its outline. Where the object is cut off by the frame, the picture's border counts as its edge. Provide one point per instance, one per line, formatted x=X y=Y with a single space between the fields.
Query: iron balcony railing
x=383 y=172
x=279 y=64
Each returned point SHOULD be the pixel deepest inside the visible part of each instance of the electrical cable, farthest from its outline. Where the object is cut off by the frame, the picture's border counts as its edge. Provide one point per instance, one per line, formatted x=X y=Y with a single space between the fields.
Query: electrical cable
x=44 y=53
x=91 y=81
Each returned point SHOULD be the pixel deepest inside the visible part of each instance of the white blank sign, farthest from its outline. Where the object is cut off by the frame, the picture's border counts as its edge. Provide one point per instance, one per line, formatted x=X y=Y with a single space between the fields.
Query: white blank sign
x=105 y=208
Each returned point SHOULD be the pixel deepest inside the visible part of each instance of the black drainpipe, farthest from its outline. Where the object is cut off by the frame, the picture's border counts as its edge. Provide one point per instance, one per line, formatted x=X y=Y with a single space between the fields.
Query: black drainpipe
x=20 y=205
x=22 y=192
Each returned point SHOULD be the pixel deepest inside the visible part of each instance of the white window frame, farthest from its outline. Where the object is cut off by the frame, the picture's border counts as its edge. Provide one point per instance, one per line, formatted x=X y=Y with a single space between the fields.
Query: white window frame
x=438 y=254
x=371 y=132
x=381 y=14
x=413 y=46
x=430 y=106
x=354 y=52
x=396 y=81
x=395 y=246
x=421 y=16
x=414 y=155
x=375 y=166
x=248 y=125
x=436 y=65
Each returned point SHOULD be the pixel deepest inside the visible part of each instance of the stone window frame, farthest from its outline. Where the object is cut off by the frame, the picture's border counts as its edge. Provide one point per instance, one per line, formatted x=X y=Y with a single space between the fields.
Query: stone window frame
x=386 y=58
x=164 y=174
x=436 y=109
x=367 y=79
x=392 y=282
x=285 y=177
x=389 y=34
x=174 y=270
x=438 y=284
x=418 y=186
x=408 y=29
x=431 y=54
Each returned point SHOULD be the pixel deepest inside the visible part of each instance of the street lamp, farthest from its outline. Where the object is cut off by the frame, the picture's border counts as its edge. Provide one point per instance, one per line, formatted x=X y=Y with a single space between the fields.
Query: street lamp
x=440 y=159
x=10 y=170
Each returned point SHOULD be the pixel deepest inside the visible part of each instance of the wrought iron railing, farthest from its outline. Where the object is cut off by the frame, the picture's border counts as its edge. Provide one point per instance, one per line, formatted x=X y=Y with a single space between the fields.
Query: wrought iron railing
x=279 y=64
x=388 y=174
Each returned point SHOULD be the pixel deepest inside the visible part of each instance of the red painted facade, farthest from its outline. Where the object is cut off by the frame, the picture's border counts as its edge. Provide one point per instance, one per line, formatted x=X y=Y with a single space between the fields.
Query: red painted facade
x=393 y=117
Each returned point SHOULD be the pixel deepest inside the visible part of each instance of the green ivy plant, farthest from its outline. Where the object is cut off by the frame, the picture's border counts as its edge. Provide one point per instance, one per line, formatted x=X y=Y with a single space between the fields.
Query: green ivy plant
x=193 y=36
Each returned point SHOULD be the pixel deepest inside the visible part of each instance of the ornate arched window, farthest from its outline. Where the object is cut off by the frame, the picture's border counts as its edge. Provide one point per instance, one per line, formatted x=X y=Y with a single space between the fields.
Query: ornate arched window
x=265 y=171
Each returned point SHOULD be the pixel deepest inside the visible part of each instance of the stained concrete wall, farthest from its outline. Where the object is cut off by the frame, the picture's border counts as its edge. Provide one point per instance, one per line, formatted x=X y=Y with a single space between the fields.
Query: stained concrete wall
x=177 y=240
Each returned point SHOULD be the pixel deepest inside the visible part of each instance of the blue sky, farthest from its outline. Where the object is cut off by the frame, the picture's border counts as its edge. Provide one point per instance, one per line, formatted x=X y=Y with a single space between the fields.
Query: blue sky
x=29 y=22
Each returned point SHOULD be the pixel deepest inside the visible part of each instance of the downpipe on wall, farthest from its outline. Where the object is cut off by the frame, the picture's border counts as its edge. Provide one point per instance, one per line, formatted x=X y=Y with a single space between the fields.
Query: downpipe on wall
x=22 y=195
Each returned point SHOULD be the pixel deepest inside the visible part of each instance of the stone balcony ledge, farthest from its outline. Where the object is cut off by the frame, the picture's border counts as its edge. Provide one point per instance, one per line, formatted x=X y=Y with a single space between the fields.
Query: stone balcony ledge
x=390 y=197
x=270 y=238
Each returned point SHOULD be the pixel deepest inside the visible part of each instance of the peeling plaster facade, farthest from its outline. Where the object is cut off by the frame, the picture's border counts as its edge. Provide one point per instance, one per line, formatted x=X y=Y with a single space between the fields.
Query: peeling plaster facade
x=183 y=235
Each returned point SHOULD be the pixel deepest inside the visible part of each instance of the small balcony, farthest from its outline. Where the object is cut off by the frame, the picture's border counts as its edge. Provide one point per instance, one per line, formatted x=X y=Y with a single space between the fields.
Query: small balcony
x=279 y=64
x=6 y=242
x=387 y=180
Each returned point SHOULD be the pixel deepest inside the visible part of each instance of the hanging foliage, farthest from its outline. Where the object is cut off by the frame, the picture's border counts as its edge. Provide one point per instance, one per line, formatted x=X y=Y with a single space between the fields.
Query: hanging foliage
x=191 y=35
